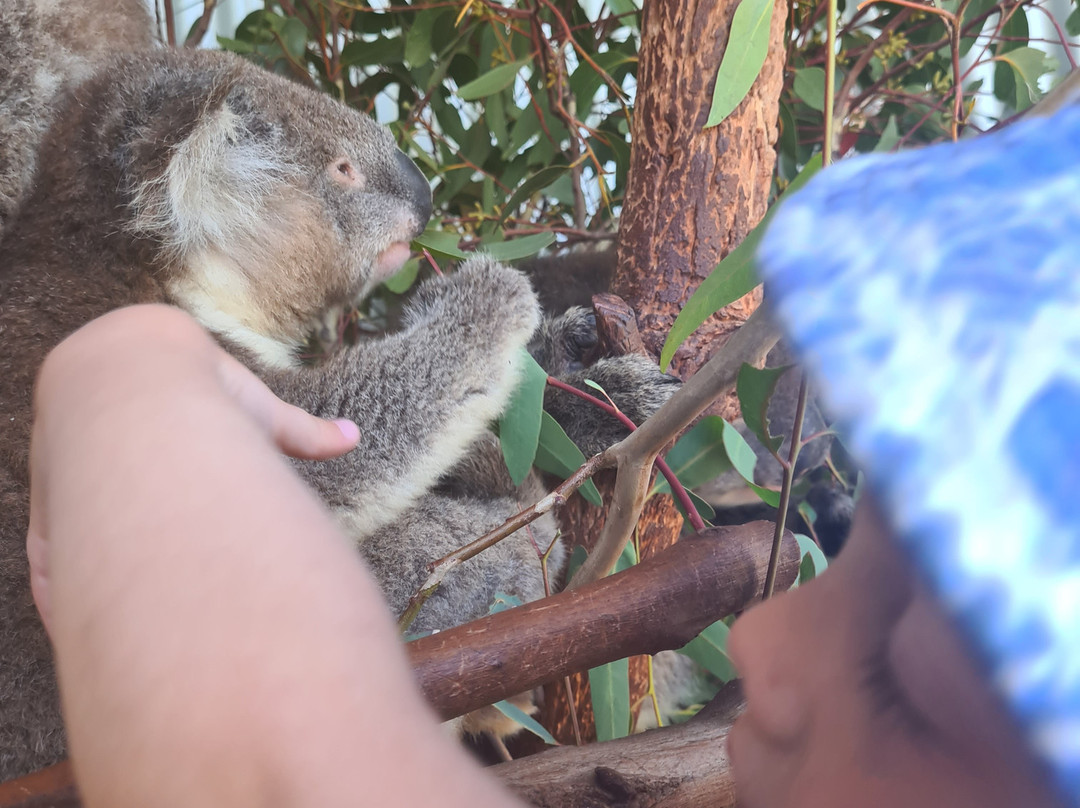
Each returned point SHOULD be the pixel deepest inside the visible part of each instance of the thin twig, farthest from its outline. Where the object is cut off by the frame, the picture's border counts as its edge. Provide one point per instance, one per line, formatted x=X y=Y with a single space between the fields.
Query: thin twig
x=677 y=488
x=785 y=489
x=439 y=569
x=201 y=26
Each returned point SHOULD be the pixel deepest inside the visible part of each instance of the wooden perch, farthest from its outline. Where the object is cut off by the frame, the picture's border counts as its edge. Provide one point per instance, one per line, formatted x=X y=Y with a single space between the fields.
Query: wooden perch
x=657 y=605
x=677 y=767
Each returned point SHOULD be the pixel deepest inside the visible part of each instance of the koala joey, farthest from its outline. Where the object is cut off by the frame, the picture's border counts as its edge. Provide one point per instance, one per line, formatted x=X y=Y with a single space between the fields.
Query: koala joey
x=196 y=179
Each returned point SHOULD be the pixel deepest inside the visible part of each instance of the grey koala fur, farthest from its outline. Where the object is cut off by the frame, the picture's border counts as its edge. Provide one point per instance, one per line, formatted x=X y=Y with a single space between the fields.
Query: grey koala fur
x=196 y=179
x=47 y=45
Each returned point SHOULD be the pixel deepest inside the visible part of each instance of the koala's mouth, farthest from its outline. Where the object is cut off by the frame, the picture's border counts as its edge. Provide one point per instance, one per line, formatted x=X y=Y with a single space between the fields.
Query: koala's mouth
x=390 y=261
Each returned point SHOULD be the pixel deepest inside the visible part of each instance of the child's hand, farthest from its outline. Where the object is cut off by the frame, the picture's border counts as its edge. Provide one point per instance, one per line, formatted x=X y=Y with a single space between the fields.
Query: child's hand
x=132 y=358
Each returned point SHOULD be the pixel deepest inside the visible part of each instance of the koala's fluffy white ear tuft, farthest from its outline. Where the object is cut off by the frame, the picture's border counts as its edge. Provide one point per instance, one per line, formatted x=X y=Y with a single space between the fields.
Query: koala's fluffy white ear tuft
x=215 y=188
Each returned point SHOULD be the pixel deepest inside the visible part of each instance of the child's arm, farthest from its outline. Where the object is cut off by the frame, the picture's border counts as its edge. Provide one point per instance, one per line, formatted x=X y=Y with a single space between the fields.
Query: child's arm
x=218 y=641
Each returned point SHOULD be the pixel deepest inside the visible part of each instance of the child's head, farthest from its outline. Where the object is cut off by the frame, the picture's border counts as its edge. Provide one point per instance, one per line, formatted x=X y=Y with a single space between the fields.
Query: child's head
x=861 y=693
x=936 y=295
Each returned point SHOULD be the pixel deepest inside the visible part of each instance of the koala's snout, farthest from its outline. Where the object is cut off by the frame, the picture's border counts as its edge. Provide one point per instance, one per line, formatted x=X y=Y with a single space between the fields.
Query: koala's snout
x=416 y=191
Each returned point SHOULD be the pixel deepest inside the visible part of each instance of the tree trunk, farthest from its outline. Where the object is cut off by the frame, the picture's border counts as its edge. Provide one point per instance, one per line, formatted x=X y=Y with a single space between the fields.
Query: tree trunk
x=692 y=196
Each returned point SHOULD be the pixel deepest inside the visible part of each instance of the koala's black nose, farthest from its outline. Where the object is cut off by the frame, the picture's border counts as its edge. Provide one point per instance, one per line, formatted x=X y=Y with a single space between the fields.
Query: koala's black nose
x=415 y=190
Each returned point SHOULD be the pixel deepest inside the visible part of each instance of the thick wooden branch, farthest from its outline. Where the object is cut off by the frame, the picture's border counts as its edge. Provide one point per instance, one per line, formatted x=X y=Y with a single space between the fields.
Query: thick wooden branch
x=676 y=767
x=660 y=604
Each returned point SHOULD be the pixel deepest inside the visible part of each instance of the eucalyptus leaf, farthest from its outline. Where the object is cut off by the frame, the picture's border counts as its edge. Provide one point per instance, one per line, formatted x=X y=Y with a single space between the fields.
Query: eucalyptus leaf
x=441 y=242
x=744 y=460
x=709 y=649
x=1028 y=64
x=519 y=426
x=514 y=249
x=515 y=713
x=402 y=281
x=754 y=388
x=698 y=456
x=747 y=46
x=502 y=602
x=538 y=181
x=609 y=686
x=495 y=80
x=733 y=277
x=889 y=137
x=809 y=549
x=557 y=454
x=809 y=87
x=703 y=508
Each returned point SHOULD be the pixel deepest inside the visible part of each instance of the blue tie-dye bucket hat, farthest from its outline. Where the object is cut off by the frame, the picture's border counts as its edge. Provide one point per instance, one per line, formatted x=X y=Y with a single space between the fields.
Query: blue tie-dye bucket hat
x=936 y=296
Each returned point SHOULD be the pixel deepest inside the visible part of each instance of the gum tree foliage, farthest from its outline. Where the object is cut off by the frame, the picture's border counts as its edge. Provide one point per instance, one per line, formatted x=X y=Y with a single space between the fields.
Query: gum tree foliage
x=519 y=111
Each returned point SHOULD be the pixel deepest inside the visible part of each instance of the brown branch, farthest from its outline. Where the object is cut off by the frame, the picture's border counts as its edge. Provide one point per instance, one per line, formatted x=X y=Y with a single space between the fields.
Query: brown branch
x=439 y=569
x=170 y=23
x=201 y=26
x=635 y=454
x=678 y=767
x=660 y=604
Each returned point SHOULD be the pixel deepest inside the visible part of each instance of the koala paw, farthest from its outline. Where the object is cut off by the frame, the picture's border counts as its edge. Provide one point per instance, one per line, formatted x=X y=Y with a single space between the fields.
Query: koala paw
x=489 y=300
x=565 y=344
x=634 y=383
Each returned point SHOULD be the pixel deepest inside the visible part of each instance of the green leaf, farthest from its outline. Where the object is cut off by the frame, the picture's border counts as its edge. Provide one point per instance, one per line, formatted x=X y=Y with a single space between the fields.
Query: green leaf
x=621 y=7
x=519 y=426
x=538 y=181
x=610 y=688
x=418 y=49
x=577 y=558
x=403 y=280
x=703 y=508
x=890 y=136
x=513 y=249
x=558 y=455
x=1028 y=64
x=698 y=456
x=806 y=570
x=709 y=649
x=527 y=721
x=382 y=51
x=627 y=558
x=235 y=45
x=732 y=278
x=809 y=87
x=747 y=46
x=744 y=460
x=502 y=602
x=1072 y=22
x=440 y=241
x=809 y=549
x=754 y=388
x=294 y=37
x=496 y=79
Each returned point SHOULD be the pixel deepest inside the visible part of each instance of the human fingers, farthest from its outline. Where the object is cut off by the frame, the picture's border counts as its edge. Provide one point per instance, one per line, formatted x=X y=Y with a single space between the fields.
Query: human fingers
x=296 y=432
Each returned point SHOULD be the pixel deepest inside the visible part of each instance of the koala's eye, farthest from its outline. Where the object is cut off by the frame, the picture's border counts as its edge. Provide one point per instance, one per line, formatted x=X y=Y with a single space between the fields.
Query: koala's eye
x=343 y=172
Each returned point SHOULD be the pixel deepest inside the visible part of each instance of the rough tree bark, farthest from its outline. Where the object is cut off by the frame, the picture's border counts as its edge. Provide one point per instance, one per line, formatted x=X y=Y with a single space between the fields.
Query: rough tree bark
x=692 y=196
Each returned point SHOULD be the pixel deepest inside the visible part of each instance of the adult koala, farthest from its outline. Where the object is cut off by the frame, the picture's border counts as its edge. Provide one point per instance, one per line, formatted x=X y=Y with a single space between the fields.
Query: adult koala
x=257 y=205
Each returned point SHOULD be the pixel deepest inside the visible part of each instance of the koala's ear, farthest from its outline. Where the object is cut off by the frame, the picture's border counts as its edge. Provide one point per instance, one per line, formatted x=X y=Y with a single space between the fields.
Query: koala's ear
x=215 y=183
